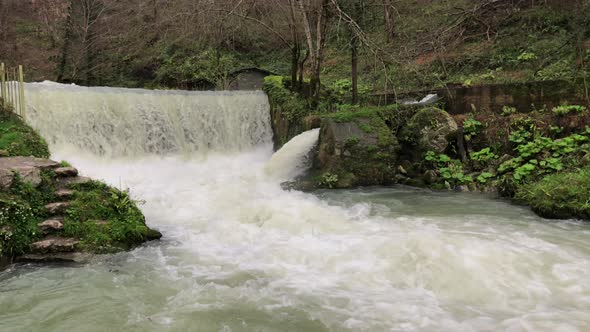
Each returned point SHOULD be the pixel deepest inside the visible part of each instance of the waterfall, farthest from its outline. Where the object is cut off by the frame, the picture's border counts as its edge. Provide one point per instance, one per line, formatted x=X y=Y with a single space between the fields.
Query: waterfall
x=116 y=122
x=293 y=159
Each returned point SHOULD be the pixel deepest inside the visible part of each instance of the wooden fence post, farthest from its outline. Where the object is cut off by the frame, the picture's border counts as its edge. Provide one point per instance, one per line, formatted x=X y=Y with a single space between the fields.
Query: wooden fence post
x=3 y=84
x=21 y=84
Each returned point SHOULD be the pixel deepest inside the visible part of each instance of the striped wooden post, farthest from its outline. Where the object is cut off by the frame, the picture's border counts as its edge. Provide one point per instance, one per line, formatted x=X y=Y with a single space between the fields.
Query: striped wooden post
x=21 y=85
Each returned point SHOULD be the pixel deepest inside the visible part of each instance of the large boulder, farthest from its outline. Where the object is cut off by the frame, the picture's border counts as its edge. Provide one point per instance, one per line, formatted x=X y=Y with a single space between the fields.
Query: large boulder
x=430 y=129
x=362 y=151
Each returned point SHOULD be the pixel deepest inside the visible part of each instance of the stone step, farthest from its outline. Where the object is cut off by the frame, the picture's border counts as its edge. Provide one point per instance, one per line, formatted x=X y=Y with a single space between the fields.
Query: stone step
x=52 y=225
x=53 y=244
x=64 y=183
x=66 y=172
x=64 y=194
x=29 y=169
x=57 y=208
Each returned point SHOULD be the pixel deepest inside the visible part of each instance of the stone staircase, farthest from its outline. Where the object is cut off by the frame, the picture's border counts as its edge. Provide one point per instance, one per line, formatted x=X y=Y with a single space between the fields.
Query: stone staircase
x=53 y=247
x=52 y=243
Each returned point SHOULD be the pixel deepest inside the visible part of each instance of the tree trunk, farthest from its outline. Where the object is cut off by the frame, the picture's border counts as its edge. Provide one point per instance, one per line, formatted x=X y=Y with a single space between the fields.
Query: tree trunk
x=294 y=66
x=301 y=71
x=315 y=47
x=354 y=71
x=68 y=35
x=389 y=21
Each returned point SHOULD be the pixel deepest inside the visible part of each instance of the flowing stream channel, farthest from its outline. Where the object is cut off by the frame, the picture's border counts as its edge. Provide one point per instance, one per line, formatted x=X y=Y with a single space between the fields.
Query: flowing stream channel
x=241 y=254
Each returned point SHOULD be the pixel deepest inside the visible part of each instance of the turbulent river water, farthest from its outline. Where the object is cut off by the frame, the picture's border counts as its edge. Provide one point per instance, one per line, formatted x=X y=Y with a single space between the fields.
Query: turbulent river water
x=241 y=254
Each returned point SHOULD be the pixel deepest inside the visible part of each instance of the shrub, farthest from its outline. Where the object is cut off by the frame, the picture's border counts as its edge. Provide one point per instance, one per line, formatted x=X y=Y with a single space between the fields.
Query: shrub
x=566 y=109
x=291 y=104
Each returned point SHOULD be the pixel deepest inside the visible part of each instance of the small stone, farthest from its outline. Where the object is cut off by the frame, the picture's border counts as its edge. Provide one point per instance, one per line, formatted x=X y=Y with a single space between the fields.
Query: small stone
x=66 y=172
x=462 y=189
x=54 y=244
x=401 y=170
x=430 y=176
x=57 y=208
x=51 y=225
x=4 y=153
x=346 y=153
x=64 y=194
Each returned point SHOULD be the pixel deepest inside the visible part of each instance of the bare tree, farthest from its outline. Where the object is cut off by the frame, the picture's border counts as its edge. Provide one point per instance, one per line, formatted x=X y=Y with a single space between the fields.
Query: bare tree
x=315 y=37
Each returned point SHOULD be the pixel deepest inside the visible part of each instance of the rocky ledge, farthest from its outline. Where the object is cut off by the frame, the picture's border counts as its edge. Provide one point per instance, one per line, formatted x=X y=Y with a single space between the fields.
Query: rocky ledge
x=48 y=213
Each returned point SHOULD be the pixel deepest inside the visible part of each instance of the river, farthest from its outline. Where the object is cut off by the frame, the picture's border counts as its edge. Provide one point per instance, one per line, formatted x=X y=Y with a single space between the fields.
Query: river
x=241 y=254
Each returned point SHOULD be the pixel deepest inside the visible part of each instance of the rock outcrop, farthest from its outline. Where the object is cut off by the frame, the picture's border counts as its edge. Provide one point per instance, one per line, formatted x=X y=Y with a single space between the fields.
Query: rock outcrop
x=359 y=152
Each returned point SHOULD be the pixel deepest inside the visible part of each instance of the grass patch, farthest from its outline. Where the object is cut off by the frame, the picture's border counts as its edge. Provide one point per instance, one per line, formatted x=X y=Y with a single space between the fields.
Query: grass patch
x=561 y=195
x=105 y=219
x=19 y=139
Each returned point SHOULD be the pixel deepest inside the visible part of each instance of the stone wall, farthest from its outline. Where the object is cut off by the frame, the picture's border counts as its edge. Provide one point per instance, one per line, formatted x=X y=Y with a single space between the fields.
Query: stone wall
x=525 y=97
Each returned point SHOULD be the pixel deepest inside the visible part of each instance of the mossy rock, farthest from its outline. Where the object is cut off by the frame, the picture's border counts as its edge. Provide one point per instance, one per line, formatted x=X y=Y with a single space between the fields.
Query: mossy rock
x=559 y=196
x=352 y=155
x=431 y=129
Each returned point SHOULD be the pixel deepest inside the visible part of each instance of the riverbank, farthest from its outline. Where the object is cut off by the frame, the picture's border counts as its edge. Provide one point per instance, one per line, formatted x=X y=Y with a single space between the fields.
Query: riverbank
x=538 y=158
x=49 y=213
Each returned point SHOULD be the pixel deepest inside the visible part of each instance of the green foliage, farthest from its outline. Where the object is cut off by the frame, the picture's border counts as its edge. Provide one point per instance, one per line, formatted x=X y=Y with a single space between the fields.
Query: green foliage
x=342 y=88
x=19 y=139
x=352 y=141
x=437 y=159
x=567 y=109
x=18 y=225
x=471 y=127
x=104 y=218
x=328 y=180
x=36 y=197
x=520 y=136
x=293 y=107
x=560 y=195
x=484 y=177
x=526 y=56
x=544 y=155
x=555 y=129
x=508 y=110
x=454 y=173
x=484 y=156
x=185 y=67
x=451 y=170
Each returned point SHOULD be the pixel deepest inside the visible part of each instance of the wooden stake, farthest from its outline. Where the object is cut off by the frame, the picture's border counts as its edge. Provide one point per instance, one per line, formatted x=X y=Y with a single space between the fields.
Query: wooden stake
x=3 y=84
x=21 y=80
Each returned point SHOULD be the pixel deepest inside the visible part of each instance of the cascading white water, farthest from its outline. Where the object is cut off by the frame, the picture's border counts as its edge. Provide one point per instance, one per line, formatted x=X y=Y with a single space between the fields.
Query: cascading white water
x=293 y=159
x=131 y=122
x=241 y=254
